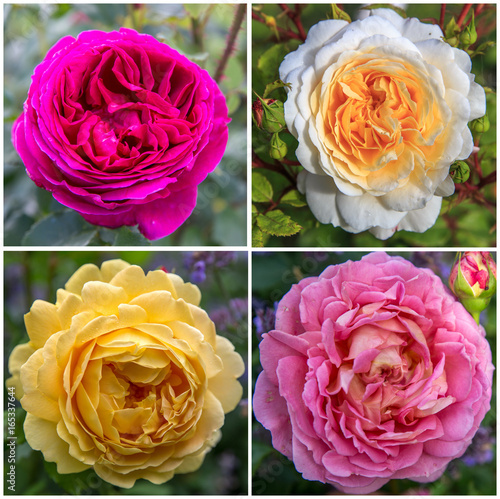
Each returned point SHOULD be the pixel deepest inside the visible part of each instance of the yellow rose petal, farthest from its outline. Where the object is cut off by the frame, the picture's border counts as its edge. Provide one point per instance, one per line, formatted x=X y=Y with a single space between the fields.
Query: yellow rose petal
x=224 y=385
x=84 y=274
x=111 y=268
x=102 y=297
x=17 y=359
x=41 y=322
x=35 y=401
x=42 y=435
x=185 y=290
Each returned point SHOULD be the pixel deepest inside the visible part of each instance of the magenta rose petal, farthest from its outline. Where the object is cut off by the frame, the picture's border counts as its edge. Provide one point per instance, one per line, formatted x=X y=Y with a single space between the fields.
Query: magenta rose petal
x=122 y=128
x=376 y=372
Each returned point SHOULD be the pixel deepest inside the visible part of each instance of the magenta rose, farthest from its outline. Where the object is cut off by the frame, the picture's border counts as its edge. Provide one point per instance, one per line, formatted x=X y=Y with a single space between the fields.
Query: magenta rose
x=122 y=128
x=374 y=371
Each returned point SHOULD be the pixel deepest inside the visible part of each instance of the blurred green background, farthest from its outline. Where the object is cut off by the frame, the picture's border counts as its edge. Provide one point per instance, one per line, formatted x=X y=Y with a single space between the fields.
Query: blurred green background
x=32 y=216
x=222 y=278
x=273 y=274
x=469 y=222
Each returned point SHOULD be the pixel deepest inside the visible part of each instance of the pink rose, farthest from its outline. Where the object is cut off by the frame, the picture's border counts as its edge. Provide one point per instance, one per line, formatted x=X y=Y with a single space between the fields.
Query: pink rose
x=374 y=372
x=122 y=128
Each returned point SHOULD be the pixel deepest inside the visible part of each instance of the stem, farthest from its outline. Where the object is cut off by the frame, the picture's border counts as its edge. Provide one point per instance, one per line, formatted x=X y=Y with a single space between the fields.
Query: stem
x=294 y=15
x=231 y=41
x=477 y=166
x=258 y=163
x=130 y=11
x=286 y=33
x=489 y=179
x=475 y=316
x=28 y=293
x=463 y=14
x=53 y=264
x=197 y=33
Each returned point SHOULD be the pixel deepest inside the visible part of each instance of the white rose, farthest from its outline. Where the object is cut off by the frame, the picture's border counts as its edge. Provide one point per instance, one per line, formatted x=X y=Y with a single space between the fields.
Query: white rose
x=380 y=108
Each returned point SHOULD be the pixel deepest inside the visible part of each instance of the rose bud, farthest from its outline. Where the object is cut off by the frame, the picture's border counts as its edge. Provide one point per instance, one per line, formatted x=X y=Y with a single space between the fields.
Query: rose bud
x=460 y=172
x=480 y=125
x=277 y=148
x=469 y=34
x=473 y=280
x=269 y=115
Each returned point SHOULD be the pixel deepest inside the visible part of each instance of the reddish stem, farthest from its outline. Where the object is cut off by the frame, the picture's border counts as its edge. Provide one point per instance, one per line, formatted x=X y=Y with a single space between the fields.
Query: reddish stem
x=259 y=163
x=441 y=19
x=463 y=14
x=294 y=15
x=286 y=33
x=489 y=179
x=298 y=22
x=290 y=163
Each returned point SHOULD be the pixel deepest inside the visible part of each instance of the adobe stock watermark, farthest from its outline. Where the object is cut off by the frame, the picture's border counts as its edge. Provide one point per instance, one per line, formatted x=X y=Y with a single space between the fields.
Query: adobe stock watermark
x=11 y=439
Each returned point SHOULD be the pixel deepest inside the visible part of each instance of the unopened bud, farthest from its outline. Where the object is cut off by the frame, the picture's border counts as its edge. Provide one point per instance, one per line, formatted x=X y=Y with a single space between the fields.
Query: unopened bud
x=480 y=125
x=338 y=13
x=460 y=172
x=469 y=34
x=269 y=115
x=277 y=148
x=473 y=280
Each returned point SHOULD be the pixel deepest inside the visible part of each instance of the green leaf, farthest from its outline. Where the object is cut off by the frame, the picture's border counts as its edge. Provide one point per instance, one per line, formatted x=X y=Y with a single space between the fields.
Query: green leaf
x=78 y=483
x=15 y=228
x=233 y=102
x=230 y=227
x=270 y=61
x=294 y=198
x=271 y=87
x=259 y=452
x=234 y=74
x=262 y=190
x=481 y=49
x=60 y=229
x=277 y=223
x=127 y=236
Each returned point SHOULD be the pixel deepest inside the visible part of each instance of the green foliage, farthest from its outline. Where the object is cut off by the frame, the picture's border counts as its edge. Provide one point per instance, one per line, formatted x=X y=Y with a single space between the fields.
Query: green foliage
x=294 y=198
x=31 y=216
x=277 y=223
x=467 y=217
x=262 y=190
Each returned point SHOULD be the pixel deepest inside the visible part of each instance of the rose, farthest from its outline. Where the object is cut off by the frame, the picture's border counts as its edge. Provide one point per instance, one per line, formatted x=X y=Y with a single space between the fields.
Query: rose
x=126 y=374
x=374 y=371
x=122 y=128
x=380 y=109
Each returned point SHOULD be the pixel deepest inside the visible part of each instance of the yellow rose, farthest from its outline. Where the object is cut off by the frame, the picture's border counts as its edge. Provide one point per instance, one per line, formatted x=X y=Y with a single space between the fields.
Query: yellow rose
x=125 y=374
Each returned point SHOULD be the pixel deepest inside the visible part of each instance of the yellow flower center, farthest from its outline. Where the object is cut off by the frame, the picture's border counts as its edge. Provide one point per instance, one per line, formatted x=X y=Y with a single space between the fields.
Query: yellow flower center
x=379 y=116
